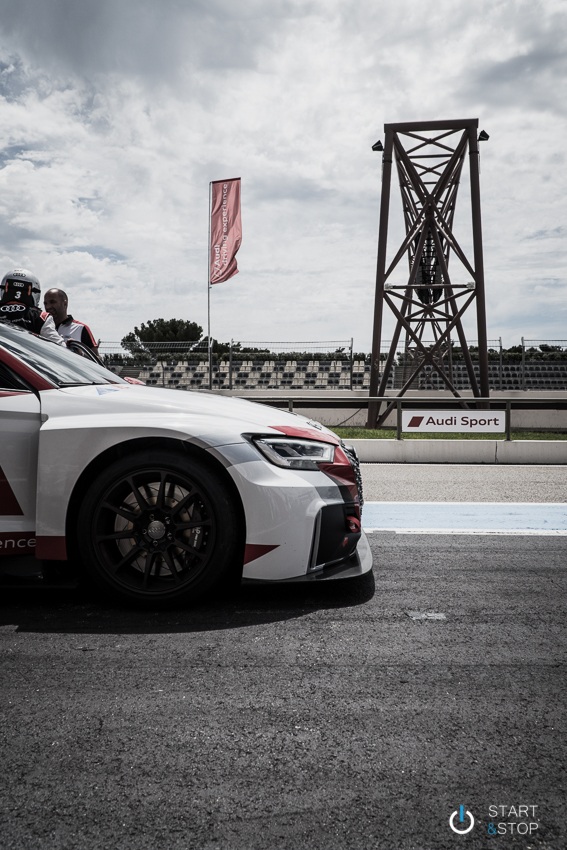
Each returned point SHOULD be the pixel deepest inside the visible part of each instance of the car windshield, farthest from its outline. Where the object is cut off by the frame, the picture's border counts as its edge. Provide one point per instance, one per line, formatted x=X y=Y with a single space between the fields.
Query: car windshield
x=54 y=362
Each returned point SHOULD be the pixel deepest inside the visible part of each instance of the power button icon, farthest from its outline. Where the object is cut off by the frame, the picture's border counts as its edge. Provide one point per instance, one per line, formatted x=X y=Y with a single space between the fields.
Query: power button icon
x=465 y=821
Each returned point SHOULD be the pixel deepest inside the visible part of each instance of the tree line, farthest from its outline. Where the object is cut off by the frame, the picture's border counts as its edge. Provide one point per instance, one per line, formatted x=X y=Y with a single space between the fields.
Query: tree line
x=186 y=337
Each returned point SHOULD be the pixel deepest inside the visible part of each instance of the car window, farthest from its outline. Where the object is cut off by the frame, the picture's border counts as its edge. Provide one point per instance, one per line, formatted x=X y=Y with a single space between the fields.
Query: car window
x=54 y=362
x=10 y=381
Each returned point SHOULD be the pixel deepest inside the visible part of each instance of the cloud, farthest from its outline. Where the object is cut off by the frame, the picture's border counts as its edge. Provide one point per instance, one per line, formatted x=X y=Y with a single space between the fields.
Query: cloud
x=525 y=81
x=154 y=41
x=552 y=233
x=117 y=115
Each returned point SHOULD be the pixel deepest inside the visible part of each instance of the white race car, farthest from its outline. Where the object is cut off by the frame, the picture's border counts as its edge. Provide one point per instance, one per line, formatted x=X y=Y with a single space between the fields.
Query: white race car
x=161 y=495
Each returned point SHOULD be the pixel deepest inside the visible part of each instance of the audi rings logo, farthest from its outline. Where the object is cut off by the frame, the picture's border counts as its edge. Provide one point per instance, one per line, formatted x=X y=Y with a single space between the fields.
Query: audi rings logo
x=465 y=821
x=13 y=308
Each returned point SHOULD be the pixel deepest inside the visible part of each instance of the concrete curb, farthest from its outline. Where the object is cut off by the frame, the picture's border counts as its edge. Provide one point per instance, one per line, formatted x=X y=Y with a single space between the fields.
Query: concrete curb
x=461 y=451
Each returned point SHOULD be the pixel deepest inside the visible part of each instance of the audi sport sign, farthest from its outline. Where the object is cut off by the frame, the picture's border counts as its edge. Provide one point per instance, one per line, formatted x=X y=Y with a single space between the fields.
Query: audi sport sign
x=454 y=421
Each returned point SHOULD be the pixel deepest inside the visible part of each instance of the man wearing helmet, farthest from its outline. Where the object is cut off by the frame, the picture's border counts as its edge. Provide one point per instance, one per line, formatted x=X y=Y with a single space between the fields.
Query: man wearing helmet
x=19 y=304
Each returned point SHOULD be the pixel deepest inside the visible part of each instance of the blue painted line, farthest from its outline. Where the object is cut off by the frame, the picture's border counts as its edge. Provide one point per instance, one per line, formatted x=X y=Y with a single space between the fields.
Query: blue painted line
x=466 y=517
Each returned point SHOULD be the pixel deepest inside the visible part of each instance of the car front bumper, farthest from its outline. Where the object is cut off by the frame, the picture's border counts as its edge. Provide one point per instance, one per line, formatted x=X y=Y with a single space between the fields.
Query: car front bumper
x=356 y=565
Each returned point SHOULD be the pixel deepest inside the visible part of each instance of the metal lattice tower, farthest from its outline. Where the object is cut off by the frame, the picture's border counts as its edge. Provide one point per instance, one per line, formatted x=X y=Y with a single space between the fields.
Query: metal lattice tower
x=429 y=301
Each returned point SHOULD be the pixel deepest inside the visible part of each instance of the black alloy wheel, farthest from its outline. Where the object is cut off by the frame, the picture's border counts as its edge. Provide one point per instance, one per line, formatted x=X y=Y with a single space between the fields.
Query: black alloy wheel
x=159 y=527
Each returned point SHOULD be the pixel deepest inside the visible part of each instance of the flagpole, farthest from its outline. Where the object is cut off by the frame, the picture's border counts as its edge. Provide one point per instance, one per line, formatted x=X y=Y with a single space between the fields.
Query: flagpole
x=210 y=351
x=226 y=232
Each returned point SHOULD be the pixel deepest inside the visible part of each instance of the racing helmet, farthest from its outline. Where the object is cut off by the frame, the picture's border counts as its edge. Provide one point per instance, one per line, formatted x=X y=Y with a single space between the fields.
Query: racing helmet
x=20 y=286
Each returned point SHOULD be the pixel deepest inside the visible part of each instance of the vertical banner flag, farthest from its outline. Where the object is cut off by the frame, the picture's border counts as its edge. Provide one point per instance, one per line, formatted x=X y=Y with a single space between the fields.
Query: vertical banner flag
x=226 y=229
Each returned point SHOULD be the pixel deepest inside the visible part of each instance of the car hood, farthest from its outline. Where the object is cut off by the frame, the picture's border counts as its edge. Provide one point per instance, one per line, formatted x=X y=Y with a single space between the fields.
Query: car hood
x=142 y=404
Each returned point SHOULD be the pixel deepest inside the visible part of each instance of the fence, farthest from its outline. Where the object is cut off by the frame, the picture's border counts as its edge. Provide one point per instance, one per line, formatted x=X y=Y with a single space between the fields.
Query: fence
x=331 y=365
x=522 y=414
x=238 y=365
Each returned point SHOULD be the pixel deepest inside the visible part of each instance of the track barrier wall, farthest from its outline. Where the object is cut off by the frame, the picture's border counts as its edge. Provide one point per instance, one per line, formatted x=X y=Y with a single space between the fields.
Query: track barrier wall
x=524 y=410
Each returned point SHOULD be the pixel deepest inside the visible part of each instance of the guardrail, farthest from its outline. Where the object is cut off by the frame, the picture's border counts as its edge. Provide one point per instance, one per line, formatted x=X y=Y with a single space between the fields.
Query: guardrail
x=505 y=403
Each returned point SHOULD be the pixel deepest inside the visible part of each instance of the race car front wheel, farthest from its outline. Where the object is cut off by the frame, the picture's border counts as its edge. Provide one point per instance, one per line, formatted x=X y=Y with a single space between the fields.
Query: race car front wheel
x=159 y=528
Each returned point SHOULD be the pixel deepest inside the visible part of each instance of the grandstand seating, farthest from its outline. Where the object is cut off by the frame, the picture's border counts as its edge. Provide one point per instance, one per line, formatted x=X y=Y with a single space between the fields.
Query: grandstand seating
x=336 y=375
x=511 y=376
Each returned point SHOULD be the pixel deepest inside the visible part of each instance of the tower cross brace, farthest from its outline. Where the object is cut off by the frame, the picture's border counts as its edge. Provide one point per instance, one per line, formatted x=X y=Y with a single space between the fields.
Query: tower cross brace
x=428 y=296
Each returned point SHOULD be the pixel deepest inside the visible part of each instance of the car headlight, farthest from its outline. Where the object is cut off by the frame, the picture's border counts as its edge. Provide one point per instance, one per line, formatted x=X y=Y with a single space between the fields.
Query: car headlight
x=295 y=453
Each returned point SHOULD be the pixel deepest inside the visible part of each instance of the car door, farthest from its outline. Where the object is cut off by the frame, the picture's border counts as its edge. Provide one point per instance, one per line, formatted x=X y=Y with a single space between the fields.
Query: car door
x=20 y=420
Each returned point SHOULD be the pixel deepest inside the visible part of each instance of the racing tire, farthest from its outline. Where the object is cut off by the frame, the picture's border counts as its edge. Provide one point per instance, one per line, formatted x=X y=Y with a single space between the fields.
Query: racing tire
x=159 y=528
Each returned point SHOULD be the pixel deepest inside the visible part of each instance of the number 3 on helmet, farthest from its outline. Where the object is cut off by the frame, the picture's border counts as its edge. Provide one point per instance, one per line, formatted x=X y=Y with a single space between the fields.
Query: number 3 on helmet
x=22 y=286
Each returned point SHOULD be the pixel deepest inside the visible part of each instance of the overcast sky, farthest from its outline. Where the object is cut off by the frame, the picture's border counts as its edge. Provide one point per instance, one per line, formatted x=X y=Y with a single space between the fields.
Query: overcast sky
x=116 y=115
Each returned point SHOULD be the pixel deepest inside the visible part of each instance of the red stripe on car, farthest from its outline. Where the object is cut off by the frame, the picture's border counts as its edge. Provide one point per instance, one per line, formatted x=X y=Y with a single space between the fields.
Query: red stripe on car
x=9 y=505
x=51 y=548
x=306 y=433
x=256 y=550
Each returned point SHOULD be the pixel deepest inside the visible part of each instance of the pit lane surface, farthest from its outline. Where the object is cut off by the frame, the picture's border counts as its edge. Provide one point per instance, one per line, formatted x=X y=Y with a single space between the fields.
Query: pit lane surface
x=345 y=715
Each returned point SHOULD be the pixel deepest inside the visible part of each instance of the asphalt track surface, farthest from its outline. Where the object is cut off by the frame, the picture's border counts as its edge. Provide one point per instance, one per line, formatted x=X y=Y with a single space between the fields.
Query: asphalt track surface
x=342 y=715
